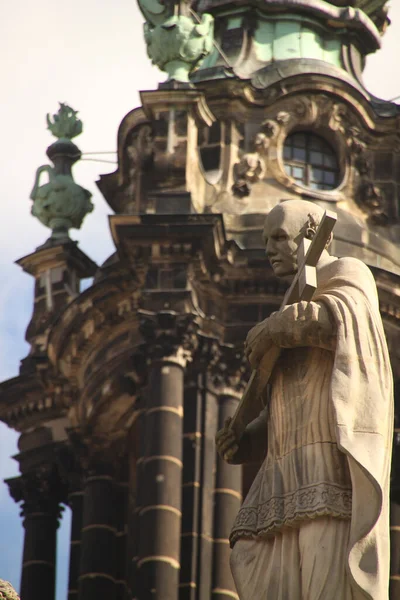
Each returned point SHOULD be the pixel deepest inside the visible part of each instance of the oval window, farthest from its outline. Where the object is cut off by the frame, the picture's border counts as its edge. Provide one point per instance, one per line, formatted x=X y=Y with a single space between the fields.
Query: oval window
x=311 y=161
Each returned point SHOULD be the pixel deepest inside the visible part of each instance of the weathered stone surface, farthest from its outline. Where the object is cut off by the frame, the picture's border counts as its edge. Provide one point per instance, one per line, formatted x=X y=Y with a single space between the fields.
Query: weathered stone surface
x=176 y=42
x=7 y=591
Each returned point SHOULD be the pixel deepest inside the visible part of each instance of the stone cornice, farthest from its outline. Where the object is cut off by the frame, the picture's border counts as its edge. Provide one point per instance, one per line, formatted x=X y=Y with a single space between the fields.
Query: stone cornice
x=28 y=400
x=352 y=19
x=52 y=254
x=156 y=101
x=163 y=237
x=281 y=79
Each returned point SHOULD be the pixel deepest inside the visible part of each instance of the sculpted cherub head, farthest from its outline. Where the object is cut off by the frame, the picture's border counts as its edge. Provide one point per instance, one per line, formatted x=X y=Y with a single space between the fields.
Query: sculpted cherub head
x=285 y=226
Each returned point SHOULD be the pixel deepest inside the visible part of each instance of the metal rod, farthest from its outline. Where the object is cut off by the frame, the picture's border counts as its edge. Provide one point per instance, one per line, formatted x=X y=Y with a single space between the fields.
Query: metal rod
x=111 y=152
x=111 y=162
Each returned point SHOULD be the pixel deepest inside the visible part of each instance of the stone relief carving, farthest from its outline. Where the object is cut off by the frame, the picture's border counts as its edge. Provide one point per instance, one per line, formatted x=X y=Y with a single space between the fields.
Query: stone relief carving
x=369 y=196
x=334 y=121
x=139 y=156
x=252 y=167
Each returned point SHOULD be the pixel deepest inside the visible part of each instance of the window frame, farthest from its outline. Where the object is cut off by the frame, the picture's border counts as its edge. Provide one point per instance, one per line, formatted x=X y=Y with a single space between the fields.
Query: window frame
x=312 y=143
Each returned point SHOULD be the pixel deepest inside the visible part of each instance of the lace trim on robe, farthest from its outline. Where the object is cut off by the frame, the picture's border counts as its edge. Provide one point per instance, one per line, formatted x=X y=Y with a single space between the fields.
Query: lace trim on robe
x=309 y=502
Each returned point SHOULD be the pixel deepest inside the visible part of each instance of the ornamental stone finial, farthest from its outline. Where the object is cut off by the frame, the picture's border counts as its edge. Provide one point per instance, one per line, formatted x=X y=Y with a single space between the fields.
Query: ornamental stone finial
x=61 y=203
x=176 y=41
x=65 y=123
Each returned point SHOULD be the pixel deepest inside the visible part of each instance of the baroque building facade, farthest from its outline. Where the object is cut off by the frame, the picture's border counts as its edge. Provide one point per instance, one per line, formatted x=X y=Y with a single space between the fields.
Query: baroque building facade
x=127 y=382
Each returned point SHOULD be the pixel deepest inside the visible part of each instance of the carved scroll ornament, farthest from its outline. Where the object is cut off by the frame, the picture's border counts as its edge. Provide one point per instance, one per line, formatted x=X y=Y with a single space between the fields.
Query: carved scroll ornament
x=330 y=119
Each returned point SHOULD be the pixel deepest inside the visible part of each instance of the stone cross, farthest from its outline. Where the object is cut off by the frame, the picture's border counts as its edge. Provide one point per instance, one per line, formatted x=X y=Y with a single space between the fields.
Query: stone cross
x=302 y=288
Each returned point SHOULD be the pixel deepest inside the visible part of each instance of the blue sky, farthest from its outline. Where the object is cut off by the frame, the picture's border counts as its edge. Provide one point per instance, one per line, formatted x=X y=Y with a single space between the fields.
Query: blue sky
x=91 y=55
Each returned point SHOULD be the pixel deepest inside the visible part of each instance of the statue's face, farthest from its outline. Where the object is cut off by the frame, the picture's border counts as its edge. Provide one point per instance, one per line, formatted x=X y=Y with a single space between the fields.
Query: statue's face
x=282 y=237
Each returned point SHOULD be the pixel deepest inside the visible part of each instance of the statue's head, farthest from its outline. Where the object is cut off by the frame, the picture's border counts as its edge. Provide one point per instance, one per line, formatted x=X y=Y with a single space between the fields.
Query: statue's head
x=285 y=226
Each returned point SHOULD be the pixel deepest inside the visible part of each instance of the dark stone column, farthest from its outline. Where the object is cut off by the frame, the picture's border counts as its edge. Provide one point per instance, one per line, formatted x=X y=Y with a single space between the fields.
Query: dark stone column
x=41 y=492
x=137 y=440
x=229 y=378
x=198 y=476
x=97 y=578
x=394 y=592
x=191 y=492
x=122 y=494
x=75 y=502
x=228 y=499
x=71 y=473
x=207 y=485
x=170 y=338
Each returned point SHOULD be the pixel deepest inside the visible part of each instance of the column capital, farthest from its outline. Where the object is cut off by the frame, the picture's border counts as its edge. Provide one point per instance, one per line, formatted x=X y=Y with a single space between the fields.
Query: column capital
x=229 y=370
x=40 y=491
x=95 y=454
x=208 y=351
x=70 y=469
x=169 y=335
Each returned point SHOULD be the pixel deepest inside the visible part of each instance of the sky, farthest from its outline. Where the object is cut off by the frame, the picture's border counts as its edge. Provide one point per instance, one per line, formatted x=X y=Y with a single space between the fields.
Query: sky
x=91 y=55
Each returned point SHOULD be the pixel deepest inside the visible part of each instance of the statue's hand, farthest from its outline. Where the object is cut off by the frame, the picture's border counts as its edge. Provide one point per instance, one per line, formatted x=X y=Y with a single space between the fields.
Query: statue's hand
x=226 y=442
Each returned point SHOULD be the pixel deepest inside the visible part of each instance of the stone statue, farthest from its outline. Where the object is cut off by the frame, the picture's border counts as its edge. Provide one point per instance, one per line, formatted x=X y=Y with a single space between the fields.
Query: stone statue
x=315 y=522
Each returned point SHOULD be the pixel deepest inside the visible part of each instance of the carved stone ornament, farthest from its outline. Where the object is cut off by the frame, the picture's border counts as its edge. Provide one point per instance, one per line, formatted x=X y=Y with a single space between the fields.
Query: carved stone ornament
x=140 y=153
x=64 y=124
x=230 y=369
x=40 y=491
x=322 y=115
x=178 y=44
x=95 y=454
x=169 y=335
x=248 y=171
x=61 y=203
x=372 y=200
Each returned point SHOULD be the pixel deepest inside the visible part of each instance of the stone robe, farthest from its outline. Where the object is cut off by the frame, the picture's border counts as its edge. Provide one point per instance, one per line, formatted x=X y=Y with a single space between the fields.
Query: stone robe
x=330 y=424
